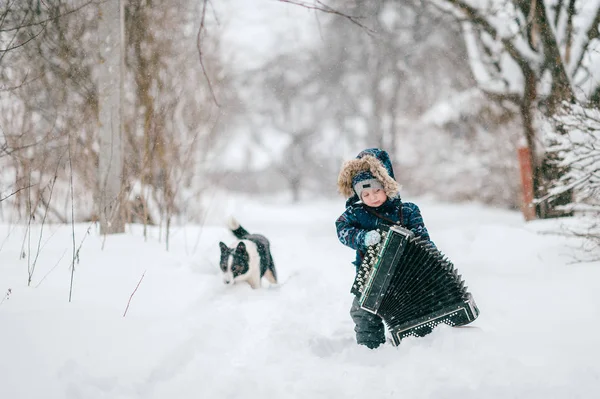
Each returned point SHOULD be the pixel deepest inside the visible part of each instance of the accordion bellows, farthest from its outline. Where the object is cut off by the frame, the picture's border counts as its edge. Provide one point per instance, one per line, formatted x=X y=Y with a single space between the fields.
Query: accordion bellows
x=413 y=287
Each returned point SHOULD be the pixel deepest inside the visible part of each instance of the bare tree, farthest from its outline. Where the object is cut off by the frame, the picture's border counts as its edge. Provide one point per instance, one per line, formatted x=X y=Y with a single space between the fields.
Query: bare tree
x=170 y=123
x=51 y=95
x=22 y=22
x=30 y=100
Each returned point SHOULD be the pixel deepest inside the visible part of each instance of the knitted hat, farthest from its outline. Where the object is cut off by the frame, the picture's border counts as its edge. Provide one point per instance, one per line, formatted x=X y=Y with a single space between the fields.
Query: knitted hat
x=363 y=180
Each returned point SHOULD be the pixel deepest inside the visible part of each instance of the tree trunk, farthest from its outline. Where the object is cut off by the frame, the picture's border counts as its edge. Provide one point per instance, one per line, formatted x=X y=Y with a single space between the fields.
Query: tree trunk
x=544 y=168
x=527 y=103
x=561 y=86
x=110 y=166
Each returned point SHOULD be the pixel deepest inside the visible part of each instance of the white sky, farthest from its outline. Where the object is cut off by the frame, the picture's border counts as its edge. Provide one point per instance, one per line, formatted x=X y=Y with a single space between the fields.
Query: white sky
x=251 y=35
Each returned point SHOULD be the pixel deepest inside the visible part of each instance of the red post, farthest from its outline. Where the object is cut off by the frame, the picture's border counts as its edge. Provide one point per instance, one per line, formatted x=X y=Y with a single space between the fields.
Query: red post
x=527 y=205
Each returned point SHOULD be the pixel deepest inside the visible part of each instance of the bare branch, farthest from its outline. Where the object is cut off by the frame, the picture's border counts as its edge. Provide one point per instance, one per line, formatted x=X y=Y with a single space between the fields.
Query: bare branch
x=592 y=33
x=23 y=82
x=199 y=46
x=72 y=219
x=11 y=194
x=16 y=46
x=320 y=6
x=133 y=293
x=45 y=21
x=473 y=16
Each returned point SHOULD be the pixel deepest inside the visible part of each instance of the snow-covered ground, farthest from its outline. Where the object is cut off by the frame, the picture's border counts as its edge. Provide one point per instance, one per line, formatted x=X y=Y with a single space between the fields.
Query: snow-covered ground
x=187 y=335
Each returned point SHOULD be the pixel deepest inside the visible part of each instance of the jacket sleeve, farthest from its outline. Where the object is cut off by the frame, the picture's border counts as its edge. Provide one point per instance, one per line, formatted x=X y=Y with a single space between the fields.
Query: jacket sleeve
x=414 y=221
x=348 y=231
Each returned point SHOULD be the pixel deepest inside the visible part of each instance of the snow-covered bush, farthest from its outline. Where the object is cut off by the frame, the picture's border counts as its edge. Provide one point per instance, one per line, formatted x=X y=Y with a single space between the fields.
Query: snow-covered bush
x=575 y=144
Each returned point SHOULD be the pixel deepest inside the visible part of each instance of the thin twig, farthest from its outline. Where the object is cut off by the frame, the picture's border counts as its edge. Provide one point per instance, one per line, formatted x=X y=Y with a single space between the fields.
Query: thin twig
x=39 y=245
x=72 y=221
x=131 y=296
x=51 y=270
x=11 y=194
x=7 y=296
x=28 y=234
x=76 y=256
x=49 y=19
x=199 y=46
x=320 y=6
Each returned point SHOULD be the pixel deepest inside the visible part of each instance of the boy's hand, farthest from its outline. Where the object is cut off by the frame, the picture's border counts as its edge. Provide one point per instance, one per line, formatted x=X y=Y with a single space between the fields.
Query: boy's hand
x=372 y=238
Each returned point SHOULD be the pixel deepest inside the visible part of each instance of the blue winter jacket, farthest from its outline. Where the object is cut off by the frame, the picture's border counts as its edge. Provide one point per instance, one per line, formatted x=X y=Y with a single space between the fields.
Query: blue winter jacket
x=355 y=222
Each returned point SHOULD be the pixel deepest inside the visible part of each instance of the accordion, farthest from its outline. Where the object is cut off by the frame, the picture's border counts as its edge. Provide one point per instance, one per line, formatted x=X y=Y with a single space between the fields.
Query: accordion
x=412 y=286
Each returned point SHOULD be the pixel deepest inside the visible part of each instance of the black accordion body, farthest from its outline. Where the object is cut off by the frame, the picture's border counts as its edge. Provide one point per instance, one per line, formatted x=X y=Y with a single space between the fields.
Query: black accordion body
x=412 y=286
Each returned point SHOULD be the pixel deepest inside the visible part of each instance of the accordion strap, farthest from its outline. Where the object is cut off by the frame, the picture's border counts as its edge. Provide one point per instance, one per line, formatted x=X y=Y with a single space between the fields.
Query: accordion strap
x=372 y=212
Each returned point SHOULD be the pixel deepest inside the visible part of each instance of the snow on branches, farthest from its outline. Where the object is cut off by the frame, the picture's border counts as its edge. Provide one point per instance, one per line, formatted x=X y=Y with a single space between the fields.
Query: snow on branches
x=576 y=142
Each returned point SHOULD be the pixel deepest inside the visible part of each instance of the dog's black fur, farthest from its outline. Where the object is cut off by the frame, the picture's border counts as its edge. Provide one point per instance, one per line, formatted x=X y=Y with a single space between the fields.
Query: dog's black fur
x=248 y=259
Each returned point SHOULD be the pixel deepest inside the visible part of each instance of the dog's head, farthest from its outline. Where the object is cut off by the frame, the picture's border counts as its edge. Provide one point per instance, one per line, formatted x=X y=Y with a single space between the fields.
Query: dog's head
x=234 y=262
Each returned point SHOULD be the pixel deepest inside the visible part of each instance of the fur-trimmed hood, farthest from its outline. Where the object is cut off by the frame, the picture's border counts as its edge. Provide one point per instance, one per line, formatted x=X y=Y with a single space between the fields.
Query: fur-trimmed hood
x=375 y=161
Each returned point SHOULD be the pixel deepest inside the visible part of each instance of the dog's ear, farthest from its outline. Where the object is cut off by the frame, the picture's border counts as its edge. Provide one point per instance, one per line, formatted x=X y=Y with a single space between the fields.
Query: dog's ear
x=241 y=247
x=223 y=247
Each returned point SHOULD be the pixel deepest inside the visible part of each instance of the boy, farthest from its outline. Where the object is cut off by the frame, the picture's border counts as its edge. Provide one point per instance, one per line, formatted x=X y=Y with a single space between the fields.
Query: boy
x=373 y=200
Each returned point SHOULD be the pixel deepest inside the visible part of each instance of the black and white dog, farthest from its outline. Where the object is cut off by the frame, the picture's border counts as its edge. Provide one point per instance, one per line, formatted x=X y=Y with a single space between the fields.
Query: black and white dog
x=248 y=259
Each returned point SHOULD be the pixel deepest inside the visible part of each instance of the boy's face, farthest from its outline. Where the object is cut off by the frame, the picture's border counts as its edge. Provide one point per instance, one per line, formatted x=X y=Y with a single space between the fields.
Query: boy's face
x=373 y=197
